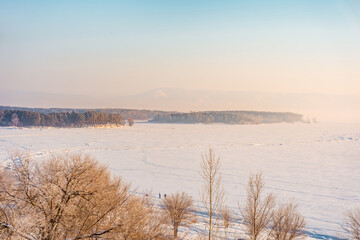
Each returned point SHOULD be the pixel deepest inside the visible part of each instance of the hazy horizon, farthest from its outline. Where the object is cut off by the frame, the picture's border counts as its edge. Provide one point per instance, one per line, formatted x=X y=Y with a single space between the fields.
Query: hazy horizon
x=299 y=56
x=323 y=107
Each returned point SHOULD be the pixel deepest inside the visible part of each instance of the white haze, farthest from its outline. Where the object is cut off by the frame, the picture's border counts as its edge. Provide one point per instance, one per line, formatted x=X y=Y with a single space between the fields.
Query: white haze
x=333 y=108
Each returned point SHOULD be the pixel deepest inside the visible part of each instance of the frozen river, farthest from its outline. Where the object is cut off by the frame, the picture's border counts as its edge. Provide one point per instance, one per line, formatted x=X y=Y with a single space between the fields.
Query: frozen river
x=318 y=165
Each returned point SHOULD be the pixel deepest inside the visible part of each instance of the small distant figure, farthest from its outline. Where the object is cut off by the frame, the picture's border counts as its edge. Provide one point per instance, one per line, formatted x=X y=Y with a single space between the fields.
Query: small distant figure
x=159 y=195
x=165 y=195
x=146 y=195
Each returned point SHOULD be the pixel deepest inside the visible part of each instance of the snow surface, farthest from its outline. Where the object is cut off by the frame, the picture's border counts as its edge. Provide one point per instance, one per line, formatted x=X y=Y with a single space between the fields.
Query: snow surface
x=318 y=165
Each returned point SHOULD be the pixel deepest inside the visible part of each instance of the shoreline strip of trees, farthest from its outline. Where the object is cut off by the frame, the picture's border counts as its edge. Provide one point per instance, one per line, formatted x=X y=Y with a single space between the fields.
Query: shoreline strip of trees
x=19 y=118
x=81 y=117
x=229 y=117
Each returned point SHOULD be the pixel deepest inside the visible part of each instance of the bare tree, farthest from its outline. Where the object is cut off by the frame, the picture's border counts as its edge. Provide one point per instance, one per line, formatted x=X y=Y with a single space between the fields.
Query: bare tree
x=178 y=211
x=131 y=122
x=67 y=196
x=286 y=223
x=212 y=191
x=140 y=219
x=5 y=211
x=14 y=120
x=226 y=218
x=257 y=212
x=352 y=224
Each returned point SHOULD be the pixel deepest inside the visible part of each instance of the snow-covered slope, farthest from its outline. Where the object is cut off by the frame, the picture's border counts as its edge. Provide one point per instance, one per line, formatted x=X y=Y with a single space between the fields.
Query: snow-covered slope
x=318 y=165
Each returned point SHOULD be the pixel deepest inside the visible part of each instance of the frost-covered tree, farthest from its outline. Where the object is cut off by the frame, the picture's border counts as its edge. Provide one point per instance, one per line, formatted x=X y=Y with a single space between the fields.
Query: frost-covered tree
x=212 y=192
x=258 y=211
x=287 y=223
x=178 y=211
x=1 y=116
x=226 y=218
x=131 y=122
x=14 y=120
x=352 y=224
x=71 y=196
x=68 y=196
x=139 y=219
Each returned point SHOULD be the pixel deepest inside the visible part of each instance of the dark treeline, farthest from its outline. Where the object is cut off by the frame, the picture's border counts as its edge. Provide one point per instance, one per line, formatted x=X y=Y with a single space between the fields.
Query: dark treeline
x=125 y=113
x=229 y=117
x=63 y=119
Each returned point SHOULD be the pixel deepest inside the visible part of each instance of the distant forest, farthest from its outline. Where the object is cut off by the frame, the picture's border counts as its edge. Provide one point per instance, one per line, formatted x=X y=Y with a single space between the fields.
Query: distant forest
x=21 y=118
x=125 y=113
x=229 y=117
x=67 y=117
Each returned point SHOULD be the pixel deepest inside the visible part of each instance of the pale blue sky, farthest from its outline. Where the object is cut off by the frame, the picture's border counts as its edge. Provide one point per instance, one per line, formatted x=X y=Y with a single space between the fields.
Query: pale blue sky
x=126 y=47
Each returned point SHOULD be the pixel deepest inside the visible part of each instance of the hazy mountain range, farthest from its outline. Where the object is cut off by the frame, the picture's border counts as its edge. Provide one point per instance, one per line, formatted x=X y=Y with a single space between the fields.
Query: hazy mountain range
x=321 y=106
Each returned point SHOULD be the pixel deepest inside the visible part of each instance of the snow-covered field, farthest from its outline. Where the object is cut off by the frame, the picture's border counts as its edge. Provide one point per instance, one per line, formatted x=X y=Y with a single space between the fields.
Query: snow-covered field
x=318 y=165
